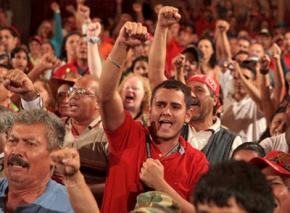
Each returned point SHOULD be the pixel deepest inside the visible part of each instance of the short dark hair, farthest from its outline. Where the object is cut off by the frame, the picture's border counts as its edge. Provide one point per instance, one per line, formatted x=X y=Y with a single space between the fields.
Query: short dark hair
x=239 y=180
x=177 y=85
x=6 y=119
x=13 y=31
x=55 y=127
x=251 y=146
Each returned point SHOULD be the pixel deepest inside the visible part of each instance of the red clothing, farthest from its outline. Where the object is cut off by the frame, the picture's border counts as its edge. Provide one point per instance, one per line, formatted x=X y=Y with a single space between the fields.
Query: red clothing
x=172 y=50
x=127 y=153
x=70 y=69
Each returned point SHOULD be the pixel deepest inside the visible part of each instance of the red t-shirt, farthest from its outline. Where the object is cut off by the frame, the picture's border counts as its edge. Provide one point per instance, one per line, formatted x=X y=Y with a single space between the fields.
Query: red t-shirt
x=127 y=154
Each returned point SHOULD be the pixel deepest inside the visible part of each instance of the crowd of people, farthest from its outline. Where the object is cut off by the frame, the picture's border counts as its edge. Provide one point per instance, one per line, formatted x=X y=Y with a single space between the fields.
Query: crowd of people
x=180 y=112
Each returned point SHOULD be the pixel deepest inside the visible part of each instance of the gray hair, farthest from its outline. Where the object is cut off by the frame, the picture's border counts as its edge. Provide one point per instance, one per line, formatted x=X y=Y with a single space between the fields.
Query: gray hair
x=55 y=127
x=6 y=119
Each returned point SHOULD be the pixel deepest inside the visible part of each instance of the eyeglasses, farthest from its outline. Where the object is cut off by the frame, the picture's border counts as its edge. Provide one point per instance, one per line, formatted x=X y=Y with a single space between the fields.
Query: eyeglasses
x=79 y=92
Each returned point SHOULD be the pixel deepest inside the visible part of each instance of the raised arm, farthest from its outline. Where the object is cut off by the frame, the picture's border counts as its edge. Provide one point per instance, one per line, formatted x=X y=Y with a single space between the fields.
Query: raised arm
x=223 y=48
x=67 y=162
x=112 y=110
x=279 y=81
x=57 y=32
x=157 y=55
x=94 y=58
x=264 y=87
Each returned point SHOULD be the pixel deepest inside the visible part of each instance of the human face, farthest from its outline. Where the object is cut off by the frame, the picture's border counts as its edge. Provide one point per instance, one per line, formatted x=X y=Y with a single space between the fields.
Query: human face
x=46 y=48
x=256 y=50
x=62 y=100
x=281 y=189
x=141 y=68
x=132 y=94
x=35 y=47
x=82 y=49
x=232 y=207
x=83 y=107
x=8 y=40
x=205 y=48
x=245 y=155
x=31 y=147
x=71 y=44
x=243 y=45
x=190 y=65
x=20 y=61
x=168 y=114
x=278 y=124
x=204 y=109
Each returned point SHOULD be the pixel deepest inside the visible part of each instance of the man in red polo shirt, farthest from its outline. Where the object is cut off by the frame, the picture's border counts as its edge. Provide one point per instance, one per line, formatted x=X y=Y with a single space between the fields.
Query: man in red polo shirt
x=142 y=159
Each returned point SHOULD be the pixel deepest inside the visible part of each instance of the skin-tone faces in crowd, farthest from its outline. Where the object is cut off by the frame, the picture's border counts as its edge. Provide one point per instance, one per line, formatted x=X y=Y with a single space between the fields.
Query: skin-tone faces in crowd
x=8 y=40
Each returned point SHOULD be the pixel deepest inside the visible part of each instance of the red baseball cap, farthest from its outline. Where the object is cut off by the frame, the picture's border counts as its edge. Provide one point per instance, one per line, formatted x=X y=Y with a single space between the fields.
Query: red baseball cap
x=277 y=160
x=210 y=82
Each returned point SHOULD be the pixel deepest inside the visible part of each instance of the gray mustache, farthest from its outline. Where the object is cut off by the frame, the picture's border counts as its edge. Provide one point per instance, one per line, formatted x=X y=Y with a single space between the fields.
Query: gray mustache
x=17 y=160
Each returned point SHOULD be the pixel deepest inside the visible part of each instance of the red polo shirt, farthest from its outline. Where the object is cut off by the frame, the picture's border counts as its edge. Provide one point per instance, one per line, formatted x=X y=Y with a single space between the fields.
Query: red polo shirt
x=127 y=154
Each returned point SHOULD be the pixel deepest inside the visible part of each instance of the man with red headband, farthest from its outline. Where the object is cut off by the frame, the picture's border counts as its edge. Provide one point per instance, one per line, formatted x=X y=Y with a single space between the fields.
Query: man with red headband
x=204 y=131
x=276 y=167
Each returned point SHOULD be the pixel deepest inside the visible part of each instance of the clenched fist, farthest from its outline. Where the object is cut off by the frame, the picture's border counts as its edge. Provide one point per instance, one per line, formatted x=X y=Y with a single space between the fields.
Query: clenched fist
x=168 y=16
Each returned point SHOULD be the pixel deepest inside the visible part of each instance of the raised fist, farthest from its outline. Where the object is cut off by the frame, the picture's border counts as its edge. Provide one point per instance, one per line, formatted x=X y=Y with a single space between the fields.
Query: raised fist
x=49 y=61
x=67 y=161
x=54 y=6
x=276 y=51
x=222 y=25
x=264 y=63
x=94 y=29
x=18 y=82
x=168 y=16
x=83 y=11
x=179 y=61
x=132 y=34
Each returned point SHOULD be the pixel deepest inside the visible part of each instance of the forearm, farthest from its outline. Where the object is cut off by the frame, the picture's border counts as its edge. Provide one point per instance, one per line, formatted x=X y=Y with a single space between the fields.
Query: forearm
x=94 y=60
x=279 y=84
x=252 y=91
x=82 y=199
x=186 y=207
x=111 y=73
x=157 y=57
x=34 y=74
x=266 y=103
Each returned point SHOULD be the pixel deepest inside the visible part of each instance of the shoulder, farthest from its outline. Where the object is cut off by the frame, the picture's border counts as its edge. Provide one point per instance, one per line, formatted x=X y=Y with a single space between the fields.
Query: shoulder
x=55 y=198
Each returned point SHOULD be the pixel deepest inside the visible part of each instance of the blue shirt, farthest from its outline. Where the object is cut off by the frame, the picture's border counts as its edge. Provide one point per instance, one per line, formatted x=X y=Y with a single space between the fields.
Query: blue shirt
x=53 y=200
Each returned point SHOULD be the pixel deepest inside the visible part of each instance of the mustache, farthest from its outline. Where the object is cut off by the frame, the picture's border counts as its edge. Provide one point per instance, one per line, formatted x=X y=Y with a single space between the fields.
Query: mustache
x=17 y=160
x=195 y=101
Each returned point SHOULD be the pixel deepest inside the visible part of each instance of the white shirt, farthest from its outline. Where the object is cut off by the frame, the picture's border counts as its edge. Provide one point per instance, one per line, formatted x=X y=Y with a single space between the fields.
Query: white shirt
x=245 y=119
x=199 y=140
x=277 y=142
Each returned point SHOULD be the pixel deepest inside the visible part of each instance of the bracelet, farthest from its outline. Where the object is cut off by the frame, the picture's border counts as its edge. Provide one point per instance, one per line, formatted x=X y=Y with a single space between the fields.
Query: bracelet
x=93 y=40
x=114 y=62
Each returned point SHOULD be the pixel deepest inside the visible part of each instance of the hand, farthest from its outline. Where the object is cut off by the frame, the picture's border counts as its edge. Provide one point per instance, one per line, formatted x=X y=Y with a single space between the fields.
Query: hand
x=264 y=64
x=70 y=8
x=94 y=29
x=168 y=16
x=179 y=61
x=276 y=50
x=55 y=7
x=132 y=34
x=222 y=26
x=49 y=61
x=152 y=173
x=137 y=7
x=119 y=1
x=67 y=161
x=18 y=82
x=80 y=1
x=83 y=12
